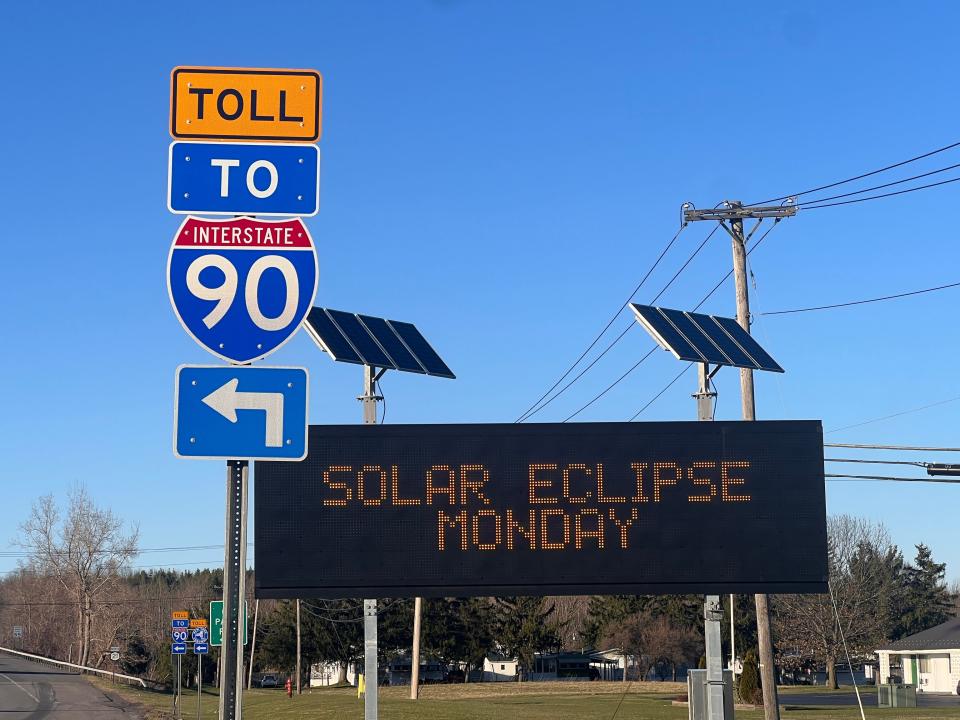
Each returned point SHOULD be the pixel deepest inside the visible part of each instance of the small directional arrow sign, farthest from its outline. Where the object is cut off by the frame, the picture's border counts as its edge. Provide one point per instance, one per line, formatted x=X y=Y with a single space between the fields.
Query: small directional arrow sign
x=256 y=413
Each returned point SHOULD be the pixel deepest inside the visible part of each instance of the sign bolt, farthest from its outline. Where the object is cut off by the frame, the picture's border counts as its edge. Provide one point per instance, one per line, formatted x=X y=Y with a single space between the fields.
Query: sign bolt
x=186 y=195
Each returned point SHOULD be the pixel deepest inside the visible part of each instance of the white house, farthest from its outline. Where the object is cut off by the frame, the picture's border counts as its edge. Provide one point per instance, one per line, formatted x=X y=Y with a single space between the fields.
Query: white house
x=327 y=674
x=930 y=660
x=499 y=668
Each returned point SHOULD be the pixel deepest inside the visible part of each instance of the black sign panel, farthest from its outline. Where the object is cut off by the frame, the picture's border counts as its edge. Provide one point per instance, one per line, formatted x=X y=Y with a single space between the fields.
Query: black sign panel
x=460 y=510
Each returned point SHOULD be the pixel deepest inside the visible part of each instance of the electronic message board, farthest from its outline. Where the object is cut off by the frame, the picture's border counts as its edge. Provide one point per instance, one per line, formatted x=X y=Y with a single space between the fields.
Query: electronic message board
x=536 y=509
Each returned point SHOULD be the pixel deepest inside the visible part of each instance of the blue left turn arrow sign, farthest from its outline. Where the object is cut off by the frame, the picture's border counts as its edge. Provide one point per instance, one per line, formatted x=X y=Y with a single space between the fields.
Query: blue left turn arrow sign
x=244 y=413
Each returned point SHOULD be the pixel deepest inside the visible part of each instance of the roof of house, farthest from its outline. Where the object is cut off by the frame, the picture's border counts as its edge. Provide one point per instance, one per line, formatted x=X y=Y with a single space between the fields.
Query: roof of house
x=945 y=636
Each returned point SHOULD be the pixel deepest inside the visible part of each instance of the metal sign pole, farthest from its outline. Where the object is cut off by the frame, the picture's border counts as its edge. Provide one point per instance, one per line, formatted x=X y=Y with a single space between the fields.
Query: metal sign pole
x=712 y=609
x=234 y=580
x=199 y=682
x=370 y=659
x=370 y=711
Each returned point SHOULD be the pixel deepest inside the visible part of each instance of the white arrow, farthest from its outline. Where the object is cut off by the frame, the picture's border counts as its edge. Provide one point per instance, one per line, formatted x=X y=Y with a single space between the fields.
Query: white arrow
x=226 y=401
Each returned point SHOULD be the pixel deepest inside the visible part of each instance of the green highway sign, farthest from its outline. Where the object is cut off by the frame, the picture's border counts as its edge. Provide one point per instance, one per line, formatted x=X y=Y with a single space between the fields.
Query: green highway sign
x=216 y=622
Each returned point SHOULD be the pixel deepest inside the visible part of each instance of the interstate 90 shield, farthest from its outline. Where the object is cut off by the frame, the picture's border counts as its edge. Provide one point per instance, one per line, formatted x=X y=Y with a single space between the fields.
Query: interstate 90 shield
x=240 y=286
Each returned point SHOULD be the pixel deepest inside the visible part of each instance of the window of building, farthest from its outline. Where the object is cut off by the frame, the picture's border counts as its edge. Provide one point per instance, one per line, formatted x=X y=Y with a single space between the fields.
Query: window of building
x=924 y=664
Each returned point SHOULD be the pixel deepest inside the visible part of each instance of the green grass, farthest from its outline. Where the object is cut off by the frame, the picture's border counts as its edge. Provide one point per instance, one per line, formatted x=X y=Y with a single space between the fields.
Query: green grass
x=490 y=701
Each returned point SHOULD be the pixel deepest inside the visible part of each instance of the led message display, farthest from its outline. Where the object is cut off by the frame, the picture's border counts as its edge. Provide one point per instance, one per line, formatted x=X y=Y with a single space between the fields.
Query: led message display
x=515 y=509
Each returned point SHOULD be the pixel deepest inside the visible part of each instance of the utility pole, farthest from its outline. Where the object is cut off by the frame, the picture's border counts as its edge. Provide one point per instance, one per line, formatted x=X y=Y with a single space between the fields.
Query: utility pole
x=734 y=212
x=369 y=400
x=299 y=689
x=415 y=660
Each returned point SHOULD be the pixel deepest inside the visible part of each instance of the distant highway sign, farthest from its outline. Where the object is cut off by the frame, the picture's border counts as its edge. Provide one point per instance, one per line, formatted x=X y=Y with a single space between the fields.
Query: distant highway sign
x=216 y=622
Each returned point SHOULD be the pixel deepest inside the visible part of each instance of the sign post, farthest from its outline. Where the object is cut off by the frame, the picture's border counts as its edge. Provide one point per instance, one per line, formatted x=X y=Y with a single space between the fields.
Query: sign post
x=241 y=287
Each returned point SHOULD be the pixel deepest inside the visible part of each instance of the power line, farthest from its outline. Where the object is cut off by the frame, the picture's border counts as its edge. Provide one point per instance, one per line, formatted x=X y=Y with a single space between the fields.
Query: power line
x=910 y=448
x=606 y=327
x=892 y=415
x=884 y=185
x=140 y=551
x=915 y=463
x=619 y=337
x=610 y=386
x=894 y=479
x=862 y=302
x=877 y=197
x=655 y=397
x=861 y=176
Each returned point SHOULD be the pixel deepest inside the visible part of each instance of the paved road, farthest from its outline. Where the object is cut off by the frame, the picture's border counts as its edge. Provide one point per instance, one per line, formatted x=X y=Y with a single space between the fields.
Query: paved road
x=34 y=691
x=844 y=698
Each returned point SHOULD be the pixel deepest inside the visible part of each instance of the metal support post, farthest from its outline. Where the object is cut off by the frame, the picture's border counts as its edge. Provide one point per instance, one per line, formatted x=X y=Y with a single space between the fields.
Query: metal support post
x=415 y=659
x=771 y=707
x=299 y=689
x=370 y=659
x=234 y=590
x=712 y=609
x=733 y=643
x=712 y=615
x=370 y=400
x=199 y=683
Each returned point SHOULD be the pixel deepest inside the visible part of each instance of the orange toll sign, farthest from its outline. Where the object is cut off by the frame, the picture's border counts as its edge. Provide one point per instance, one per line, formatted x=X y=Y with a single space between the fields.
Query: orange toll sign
x=180 y=615
x=198 y=622
x=245 y=104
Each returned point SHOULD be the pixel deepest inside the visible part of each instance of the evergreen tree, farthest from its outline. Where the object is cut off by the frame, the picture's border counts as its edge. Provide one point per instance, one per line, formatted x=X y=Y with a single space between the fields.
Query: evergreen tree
x=749 y=688
x=927 y=600
x=524 y=628
x=607 y=611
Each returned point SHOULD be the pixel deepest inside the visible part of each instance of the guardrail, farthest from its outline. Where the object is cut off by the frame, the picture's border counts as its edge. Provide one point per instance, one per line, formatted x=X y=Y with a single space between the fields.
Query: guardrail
x=81 y=668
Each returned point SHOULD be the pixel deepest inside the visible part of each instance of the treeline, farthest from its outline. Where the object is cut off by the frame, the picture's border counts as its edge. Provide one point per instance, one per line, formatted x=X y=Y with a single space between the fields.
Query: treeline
x=75 y=598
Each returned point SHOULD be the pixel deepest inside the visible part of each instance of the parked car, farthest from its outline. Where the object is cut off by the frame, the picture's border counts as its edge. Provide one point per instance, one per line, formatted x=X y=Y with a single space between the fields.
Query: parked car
x=269 y=680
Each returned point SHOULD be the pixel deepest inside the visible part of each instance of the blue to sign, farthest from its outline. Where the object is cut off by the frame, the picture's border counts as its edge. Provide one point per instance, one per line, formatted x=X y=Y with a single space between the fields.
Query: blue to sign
x=242 y=287
x=243 y=178
x=256 y=413
x=200 y=648
x=180 y=623
x=178 y=648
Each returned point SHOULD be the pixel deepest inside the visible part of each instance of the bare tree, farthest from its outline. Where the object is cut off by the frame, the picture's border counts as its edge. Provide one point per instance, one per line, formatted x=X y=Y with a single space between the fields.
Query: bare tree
x=864 y=566
x=85 y=550
x=571 y=614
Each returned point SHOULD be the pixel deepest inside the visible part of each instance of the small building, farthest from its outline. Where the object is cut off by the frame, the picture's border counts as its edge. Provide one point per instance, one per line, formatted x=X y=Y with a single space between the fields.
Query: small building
x=499 y=668
x=929 y=660
x=332 y=673
x=432 y=670
x=564 y=666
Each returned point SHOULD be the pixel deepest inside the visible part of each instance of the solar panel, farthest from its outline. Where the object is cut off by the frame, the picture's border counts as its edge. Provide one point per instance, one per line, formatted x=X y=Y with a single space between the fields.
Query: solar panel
x=696 y=337
x=733 y=351
x=419 y=346
x=666 y=334
x=328 y=336
x=750 y=346
x=389 y=341
x=704 y=338
x=373 y=341
x=362 y=341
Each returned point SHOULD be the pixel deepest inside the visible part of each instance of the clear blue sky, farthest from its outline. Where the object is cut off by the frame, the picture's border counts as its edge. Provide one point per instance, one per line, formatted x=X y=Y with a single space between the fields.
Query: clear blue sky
x=501 y=174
